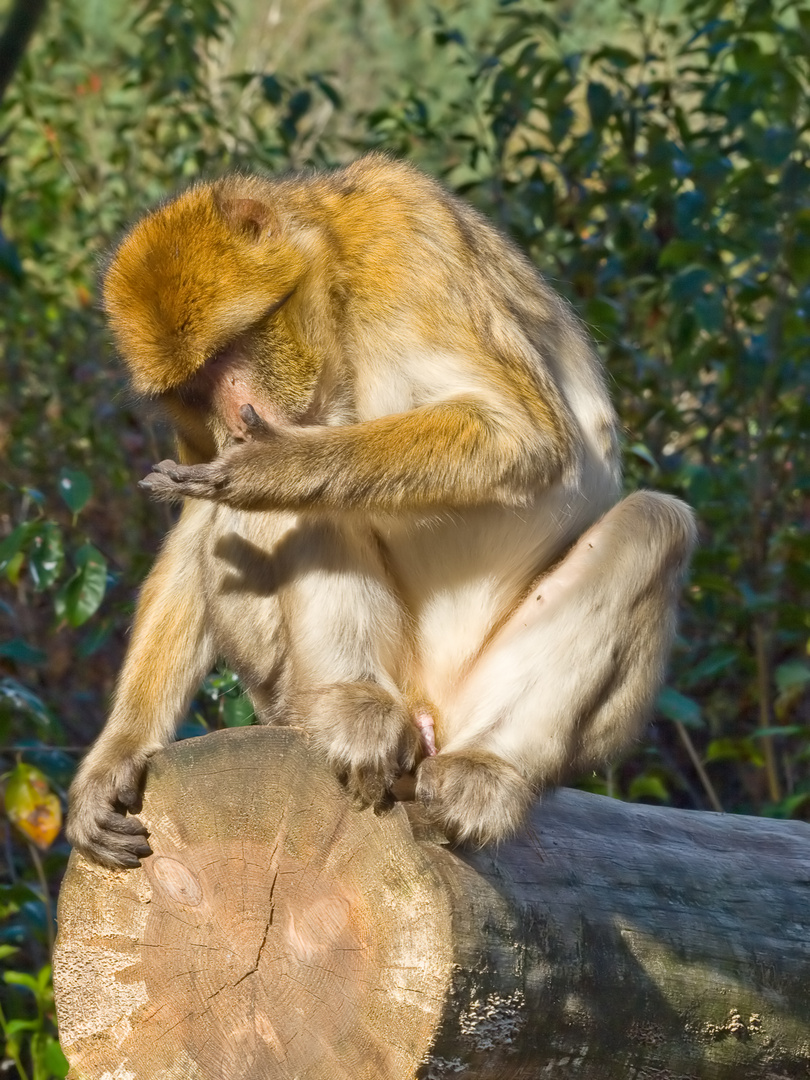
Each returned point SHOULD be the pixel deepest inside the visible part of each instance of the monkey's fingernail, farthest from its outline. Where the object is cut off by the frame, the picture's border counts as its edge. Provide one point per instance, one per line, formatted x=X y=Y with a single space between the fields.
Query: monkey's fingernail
x=251 y=419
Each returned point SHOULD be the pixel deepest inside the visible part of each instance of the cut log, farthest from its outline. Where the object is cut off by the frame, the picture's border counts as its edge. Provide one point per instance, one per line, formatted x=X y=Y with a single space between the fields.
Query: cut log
x=279 y=934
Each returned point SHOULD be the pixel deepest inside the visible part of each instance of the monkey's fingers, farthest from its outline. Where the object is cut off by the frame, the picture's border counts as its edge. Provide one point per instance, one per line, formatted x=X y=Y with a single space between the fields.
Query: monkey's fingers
x=255 y=426
x=125 y=826
x=108 y=837
x=170 y=481
x=130 y=798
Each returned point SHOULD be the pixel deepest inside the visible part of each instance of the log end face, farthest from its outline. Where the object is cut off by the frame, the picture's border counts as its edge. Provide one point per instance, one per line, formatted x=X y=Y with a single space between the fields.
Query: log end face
x=275 y=931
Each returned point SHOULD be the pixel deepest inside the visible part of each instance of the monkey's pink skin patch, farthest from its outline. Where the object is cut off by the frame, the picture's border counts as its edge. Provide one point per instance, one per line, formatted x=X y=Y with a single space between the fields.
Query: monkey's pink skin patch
x=424 y=721
x=224 y=381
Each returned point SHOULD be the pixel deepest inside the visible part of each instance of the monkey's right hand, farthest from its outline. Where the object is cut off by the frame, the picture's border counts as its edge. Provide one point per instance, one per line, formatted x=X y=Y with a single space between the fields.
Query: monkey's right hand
x=98 y=824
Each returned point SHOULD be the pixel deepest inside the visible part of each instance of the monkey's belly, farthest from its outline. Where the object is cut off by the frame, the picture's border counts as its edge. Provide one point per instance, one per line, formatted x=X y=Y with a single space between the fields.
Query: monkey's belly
x=299 y=602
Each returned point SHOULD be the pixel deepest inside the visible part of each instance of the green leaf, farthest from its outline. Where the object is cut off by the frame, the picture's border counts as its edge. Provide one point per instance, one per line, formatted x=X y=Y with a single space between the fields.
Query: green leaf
x=640 y=451
x=54 y=1060
x=689 y=284
x=679 y=252
x=714 y=663
x=95 y=638
x=14 y=1027
x=735 y=749
x=679 y=708
x=789 y=807
x=603 y=314
x=23 y=700
x=699 y=485
x=600 y=102
x=75 y=487
x=793 y=673
x=272 y=89
x=328 y=90
x=780 y=731
x=620 y=58
x=21 y=652
x=237 y=711
x=648 y=787
x=10 y=264
x=13 y=544
x=80 y=597
x=20 y=978
x=46 y=555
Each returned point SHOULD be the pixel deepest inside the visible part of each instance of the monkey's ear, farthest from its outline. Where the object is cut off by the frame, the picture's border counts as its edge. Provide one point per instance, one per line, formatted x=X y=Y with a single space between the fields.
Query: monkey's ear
x=249 y=216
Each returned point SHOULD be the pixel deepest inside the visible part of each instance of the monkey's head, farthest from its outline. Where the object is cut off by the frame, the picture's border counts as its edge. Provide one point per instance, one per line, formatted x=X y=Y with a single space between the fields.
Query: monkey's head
x=195 y=295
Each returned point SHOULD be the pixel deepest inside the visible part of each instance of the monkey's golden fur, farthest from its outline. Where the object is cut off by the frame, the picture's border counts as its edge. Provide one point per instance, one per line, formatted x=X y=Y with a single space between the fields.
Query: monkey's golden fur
x=392 y=431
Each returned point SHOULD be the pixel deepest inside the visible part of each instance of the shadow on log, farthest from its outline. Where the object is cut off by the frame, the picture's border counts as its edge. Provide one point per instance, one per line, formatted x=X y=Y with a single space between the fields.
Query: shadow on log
x=278 y=933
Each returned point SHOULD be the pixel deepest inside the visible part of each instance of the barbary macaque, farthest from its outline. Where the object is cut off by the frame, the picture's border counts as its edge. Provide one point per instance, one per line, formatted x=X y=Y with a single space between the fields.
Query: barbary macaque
x=401 y=525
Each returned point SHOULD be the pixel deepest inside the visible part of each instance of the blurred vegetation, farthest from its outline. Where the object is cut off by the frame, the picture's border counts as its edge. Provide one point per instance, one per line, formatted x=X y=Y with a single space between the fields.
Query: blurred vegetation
x=652 y=158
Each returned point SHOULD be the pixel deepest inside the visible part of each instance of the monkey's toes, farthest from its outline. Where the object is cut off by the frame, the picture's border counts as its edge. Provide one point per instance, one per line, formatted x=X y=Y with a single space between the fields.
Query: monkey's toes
x=473 y=796
x=108 y=837
x=368 y=787
x=367 y=737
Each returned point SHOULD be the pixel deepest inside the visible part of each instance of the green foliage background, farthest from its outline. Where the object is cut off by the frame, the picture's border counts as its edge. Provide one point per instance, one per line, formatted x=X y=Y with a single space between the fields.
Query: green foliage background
x=652 y=158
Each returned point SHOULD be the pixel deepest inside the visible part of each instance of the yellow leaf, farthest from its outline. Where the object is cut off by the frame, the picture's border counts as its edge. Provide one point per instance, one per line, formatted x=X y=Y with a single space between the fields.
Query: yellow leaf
x=32 y=806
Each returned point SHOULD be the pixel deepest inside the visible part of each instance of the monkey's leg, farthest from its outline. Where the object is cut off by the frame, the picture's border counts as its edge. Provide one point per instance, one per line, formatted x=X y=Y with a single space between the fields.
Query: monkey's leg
x=572 y=675
x=169 y=654
x=349 y=646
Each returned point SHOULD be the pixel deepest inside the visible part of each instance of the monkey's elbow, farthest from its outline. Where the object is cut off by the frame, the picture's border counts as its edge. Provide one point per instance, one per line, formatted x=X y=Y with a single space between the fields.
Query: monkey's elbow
x=536 y=466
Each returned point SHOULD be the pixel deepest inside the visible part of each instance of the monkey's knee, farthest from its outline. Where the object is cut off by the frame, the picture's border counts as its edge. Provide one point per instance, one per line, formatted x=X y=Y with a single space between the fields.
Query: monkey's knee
x=473 y=795
x=367 y=736
x=660 y=524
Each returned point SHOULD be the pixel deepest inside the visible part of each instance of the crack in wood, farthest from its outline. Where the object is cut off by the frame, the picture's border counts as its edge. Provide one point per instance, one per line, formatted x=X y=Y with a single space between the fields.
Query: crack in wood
x=255 y=967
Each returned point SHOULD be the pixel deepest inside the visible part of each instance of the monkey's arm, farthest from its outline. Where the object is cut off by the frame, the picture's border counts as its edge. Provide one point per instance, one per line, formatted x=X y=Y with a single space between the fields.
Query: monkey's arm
x=454 y=453
x=169 y=654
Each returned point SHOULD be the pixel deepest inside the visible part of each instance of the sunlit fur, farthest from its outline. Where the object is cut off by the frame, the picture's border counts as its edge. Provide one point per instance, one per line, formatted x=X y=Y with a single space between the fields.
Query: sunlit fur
x=418 y=514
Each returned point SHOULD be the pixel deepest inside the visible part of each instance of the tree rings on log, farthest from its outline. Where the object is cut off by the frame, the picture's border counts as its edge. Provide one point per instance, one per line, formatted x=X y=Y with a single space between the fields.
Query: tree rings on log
x=274 y=932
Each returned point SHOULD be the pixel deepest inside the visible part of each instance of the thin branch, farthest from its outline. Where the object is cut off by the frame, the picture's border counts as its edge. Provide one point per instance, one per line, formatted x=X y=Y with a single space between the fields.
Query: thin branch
x=46 y=895
x=708 y=786
x=13 y=41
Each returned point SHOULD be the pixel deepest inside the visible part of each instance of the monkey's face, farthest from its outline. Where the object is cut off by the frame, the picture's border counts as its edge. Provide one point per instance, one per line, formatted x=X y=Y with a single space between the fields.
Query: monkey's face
x=265 y=367
x=196 y=296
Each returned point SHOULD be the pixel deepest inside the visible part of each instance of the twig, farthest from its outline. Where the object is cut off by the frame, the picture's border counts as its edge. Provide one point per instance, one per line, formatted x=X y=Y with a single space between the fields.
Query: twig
x=46 y=894
x=764 y=694
x=708 y=786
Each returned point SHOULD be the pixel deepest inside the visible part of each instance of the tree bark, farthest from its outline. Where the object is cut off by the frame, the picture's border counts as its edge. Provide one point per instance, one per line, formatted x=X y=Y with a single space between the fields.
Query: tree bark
x=279 y=934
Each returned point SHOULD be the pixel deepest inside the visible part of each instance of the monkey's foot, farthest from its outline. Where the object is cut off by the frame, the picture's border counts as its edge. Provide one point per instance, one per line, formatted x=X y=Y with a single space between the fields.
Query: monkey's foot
x=473 y=795
x=369 y=739
x=98 y=824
